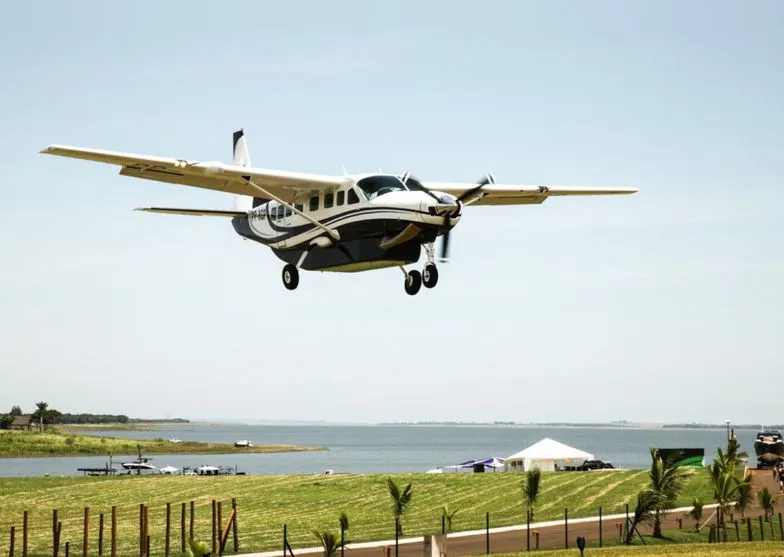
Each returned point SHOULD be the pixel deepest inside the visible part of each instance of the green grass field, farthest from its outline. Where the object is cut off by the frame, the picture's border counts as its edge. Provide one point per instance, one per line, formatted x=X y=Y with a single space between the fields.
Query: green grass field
x=303 y=502
x=54 y=443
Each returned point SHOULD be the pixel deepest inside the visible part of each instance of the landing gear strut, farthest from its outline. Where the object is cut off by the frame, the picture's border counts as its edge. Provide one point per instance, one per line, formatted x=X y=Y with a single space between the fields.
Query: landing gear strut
x=430 y=272
x=290 y=276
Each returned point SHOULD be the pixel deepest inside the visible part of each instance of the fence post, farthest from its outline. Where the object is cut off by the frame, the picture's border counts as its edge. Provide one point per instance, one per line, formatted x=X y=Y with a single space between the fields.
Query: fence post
x=193 y=515
x=234 y=525
x=443 y=523
x=219 y=528
x=487 y=533
x=54 y=533
x=100 y=534
x=86 y=531
x=141 y=529
x=748 y=529
x=397 y=530
x=600 y=527
x=24 y=535
x=11 y=547
x=566 y=528
x=762 y=529
x=67 y=548
x=168 y=527
x=528 y=530
x=284 y=540
x=214 y=517
x=182 y=527
x=781 y=528
x=57 y=538
x=114 y=531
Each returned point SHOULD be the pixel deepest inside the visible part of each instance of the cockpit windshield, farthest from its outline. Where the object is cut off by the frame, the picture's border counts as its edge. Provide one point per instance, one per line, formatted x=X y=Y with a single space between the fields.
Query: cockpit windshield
x=413 y=184
x=373 y=186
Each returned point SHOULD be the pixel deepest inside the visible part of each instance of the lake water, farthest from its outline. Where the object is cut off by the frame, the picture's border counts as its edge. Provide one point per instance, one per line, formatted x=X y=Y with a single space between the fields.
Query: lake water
x=377 y=448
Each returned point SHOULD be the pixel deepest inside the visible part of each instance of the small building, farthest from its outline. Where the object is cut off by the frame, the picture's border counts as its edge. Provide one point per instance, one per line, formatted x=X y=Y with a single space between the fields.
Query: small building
x=23 y=421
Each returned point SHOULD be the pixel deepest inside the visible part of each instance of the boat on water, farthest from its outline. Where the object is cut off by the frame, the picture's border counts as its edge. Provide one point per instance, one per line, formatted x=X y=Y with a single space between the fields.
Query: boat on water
x=769 y=442
x=139 y=464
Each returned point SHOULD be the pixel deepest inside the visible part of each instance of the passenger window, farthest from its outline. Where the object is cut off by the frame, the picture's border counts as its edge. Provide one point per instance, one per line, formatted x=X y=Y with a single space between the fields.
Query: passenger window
x=314 y=203
x=352 y=197
x=329 y=200
x=299 y=206
x=341 y=197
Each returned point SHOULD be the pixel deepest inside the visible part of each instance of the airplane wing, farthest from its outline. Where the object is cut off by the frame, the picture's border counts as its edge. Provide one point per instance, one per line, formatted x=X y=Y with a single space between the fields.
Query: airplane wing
x=210 y=175
x=194 y=212
x=511 y=194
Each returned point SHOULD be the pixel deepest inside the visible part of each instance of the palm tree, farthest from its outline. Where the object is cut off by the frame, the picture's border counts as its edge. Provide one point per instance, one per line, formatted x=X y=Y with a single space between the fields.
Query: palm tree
x=401 y=500
x=666 y=482
x=329 y=542
x=448 y=516
x=647 y=503
x=767 y=501
x=696 y=512
x=343 y=520
x=743 y=494
x=530 y=486
x=42 y=406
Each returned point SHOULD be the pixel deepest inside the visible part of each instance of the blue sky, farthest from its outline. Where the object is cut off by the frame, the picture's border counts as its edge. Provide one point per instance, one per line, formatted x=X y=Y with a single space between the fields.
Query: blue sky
x=662 y=306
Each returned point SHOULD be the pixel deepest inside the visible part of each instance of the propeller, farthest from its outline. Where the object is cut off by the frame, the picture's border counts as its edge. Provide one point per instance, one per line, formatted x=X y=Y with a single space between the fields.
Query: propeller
x=467 y=196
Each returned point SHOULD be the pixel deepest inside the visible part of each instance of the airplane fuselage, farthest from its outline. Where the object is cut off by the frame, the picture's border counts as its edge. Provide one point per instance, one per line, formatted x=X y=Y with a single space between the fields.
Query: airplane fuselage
x=379 y=222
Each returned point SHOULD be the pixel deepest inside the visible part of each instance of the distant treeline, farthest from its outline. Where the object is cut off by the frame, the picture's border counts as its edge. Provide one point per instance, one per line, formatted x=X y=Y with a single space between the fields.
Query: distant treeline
x=723 y=426
x=158 y=421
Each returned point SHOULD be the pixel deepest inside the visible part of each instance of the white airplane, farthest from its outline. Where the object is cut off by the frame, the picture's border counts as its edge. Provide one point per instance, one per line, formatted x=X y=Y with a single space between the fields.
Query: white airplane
x=319 y=222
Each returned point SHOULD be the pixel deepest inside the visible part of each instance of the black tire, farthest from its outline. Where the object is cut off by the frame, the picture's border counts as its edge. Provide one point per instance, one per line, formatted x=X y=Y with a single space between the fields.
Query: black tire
x=413 y=282
x=290 y=276
x=430 y=275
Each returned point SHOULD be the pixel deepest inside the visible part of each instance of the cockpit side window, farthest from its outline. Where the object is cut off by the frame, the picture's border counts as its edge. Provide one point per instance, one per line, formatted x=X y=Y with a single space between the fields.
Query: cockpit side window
x=314 y=203
x=374 y=186
x=352 y=197
x=413 y=184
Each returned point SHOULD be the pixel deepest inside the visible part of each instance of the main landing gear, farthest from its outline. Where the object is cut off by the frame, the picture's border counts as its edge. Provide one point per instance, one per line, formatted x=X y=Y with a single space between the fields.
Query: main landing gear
x=427 y=278
x=290 y=276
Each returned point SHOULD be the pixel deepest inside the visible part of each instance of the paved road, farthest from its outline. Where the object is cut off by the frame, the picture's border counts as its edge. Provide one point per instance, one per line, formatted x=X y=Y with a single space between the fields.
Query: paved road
x=551 y=535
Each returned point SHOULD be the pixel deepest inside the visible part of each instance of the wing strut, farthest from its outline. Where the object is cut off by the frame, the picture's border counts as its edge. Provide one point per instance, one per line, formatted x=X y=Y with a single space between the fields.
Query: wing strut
x=333 y=233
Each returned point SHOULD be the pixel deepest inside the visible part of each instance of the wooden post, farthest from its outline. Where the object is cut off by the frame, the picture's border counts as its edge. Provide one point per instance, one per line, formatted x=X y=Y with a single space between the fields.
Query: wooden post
x=100 y=534
x=182 y=528
x=24 y=534
x=193 y=515
x=54 y=533
x=600 y=527
x=737 y=532
x=114 y=532
x=234 y=525
x=219 y=524
x=680 y=523
x=781 y=528
x=536 y=539
x=748 y=529
x=566 y=528
x=168 y=527
x=487 y=533
x=214 y=536
x=57 y=538
x=141 y=529
x=86 y=531
x=762 y=529
x=528 y=530
x=67 y=548
x=11 y=546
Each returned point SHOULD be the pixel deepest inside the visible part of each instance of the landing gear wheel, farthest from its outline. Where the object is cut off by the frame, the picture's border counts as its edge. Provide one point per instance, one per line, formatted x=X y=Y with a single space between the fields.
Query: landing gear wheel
x=430 y=275
x=290 y=276
x=413 y=282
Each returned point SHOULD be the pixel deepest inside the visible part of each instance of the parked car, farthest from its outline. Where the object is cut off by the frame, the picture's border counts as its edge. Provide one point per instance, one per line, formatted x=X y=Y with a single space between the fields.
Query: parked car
x=595 y=465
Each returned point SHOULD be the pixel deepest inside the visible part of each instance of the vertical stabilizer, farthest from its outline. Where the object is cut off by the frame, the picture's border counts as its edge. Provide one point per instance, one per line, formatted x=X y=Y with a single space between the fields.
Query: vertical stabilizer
x=242 y=158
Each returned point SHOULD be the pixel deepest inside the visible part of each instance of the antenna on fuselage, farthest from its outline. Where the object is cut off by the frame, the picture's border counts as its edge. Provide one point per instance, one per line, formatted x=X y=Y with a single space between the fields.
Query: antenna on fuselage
x=344 y=170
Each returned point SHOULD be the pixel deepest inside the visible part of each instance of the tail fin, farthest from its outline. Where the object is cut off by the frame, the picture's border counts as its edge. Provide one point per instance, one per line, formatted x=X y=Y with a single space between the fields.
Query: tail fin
x=242 y=158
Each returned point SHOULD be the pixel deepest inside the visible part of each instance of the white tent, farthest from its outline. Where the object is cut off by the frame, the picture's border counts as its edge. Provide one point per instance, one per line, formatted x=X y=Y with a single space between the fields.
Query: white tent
x=544 y=455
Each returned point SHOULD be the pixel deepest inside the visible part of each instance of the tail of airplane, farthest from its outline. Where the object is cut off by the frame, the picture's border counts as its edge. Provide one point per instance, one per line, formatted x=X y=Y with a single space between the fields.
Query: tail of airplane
x=242 y=158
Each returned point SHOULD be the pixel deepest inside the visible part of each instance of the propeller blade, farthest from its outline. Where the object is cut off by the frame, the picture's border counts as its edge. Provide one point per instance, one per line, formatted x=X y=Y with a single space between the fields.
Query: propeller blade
x=488 y=179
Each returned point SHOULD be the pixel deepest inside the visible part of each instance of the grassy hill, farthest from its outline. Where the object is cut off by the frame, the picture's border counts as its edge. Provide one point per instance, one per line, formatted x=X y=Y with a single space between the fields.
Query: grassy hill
x=305 y=501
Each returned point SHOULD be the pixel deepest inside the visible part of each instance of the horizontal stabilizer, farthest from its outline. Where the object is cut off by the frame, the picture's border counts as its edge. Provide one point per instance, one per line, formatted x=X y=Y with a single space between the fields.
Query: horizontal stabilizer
x=193 y=212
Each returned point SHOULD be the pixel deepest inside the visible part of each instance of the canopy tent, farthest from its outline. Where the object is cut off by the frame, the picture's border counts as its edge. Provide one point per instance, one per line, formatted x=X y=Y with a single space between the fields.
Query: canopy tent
x=544 y=455
x=479 y=465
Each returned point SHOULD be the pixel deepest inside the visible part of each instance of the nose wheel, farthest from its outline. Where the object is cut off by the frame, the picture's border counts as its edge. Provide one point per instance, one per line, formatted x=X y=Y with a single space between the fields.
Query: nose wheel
x=413 y=282
x=290 y=276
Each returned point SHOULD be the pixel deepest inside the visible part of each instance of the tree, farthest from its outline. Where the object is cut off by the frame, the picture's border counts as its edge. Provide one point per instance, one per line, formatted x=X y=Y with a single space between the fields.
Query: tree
x=530 y=487
x=696 y=512
x=15 y=411
x=644 y=509
x=448 y=516
x=401 y=500
x=666 y=482
x=329 y=542
x=767 y=501
x=743 y=496
x=6 y=420
x=42 y=406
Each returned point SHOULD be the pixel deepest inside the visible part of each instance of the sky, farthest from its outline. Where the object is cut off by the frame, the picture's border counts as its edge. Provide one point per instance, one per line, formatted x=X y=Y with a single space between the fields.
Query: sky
x=663 y=306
